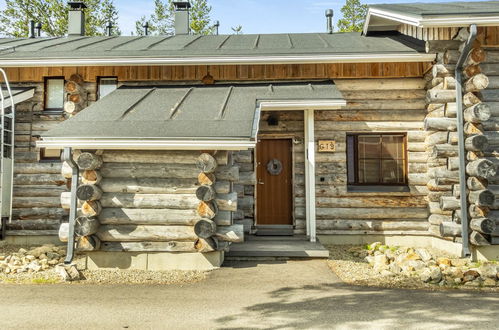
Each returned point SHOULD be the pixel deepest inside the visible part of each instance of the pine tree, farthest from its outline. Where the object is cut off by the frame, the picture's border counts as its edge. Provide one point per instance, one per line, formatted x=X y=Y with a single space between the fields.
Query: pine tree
x=354 y=15
x=53 y=15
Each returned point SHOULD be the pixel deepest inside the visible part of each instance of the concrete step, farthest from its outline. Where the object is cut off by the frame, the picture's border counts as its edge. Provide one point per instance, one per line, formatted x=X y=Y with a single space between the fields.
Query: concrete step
x=278 y=248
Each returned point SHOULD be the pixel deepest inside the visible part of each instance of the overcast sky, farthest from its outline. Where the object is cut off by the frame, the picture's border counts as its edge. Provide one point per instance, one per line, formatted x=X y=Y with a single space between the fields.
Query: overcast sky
x=256 y=16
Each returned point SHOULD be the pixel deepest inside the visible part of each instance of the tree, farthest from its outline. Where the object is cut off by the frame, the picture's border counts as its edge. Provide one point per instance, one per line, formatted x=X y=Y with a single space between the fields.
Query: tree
x=354 y=15
x=162 y=20
x=237 y=29
x=53 y=15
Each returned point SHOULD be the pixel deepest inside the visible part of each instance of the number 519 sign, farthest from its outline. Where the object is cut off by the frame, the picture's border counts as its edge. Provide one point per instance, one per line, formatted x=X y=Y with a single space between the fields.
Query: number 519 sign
x=327 y=146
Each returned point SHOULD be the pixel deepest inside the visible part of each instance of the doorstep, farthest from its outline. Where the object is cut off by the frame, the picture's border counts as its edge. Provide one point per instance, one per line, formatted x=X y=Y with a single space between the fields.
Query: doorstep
x=278 y=246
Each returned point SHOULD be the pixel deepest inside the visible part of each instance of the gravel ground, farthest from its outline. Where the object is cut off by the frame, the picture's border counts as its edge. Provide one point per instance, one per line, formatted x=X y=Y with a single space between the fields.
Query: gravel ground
x=101 y=276
x=356 y=271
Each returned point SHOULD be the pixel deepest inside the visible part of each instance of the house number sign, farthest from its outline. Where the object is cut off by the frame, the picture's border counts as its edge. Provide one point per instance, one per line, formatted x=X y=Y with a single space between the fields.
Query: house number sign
x=327 y=146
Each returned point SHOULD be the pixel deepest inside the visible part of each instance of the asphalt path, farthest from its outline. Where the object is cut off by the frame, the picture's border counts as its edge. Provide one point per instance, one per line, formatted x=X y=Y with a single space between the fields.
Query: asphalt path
x=245 y=295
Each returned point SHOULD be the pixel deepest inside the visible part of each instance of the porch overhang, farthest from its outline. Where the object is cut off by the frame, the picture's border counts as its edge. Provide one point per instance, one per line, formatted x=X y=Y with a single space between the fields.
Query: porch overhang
x=18 y=95
x=222 y=117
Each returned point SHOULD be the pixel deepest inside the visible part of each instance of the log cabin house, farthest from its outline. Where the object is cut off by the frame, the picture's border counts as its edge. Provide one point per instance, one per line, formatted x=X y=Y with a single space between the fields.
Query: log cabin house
x=175 y=147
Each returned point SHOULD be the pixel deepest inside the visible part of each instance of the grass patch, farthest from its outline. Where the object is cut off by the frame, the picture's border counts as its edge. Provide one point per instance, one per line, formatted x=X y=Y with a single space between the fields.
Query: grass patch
x=43 y=280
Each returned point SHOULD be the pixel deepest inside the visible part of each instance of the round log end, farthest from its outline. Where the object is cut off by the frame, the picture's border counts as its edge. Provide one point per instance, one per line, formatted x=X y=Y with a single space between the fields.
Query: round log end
x=205 y=193
x=89 y=161
x=206 y=163
x=205 y=228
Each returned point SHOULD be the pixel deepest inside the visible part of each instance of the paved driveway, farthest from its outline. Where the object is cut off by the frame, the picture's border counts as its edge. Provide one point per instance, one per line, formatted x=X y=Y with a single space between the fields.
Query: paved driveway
x=273 y=295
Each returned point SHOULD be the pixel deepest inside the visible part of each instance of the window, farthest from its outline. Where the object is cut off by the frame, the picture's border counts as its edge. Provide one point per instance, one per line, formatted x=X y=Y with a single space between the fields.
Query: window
x=54 y=94
x=50 y=155
x=106 y=86
x=377 y=159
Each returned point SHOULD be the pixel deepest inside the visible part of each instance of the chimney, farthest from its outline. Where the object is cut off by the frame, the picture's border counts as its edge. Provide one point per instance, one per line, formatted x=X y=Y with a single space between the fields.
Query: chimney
x=182 y=17
x=32 y=29
x=76 y=18
x=217 y=26
x=329 y=17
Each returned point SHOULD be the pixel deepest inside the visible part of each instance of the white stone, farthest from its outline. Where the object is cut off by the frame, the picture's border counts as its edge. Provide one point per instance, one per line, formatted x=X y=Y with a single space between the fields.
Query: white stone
x=425 y=275
x=488 y=270
x=424 y=254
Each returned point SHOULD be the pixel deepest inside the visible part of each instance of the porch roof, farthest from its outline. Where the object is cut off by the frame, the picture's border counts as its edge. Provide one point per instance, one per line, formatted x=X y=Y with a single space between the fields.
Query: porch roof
x=187 y=113
x=18 y=95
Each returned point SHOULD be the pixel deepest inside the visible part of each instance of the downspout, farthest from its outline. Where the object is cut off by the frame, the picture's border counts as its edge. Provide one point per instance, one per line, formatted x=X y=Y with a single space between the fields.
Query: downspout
x=465 y=252
x=67 y=157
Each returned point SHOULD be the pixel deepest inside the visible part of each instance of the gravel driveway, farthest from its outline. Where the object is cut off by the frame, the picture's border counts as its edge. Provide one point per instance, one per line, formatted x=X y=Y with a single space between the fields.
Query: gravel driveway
x=274 y=295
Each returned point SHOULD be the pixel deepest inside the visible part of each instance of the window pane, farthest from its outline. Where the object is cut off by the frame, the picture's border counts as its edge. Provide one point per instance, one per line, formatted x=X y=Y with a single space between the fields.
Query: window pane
x=369 y=146
x=392 y=171
x=369 y=171
x=55 y=94
x=392 y=147
x=351 y=159
x=106 y=86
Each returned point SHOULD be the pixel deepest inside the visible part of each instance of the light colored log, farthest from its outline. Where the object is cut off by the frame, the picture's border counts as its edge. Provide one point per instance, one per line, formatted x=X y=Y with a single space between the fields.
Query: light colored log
x=476 y=83
x=129 y=233
x=476 y=143
x=227 y=202
x=145 y=201
x=440 y=46
x=367 y=213
x=35 y=202
x=149 y=185
x=34 y=213
x=88 y=192
x=440 y=96
x=471 y=70
x=205 y=193
x=39 y=191
x=88 y=161
x=163 y=157
x=38 y=179
x=66 y=170
x=441 y=137
x=476 y=211
x=450 y=229
x=437 y=219
x=374 y=225
x=483 y=225
x=473 y=129
x=91 y=208
x=449 y=203
x=234 y=234
x=207 y=209
x=481 y=197
x=65 y=201
x=228 y=173
x=86 y=226
x=478 y=239
x=150 y=247
x=433 y=185
x=206 y=163
x=205 y=228
x=38 y=168
x=477 y=113
x=476 y=56
x=148 y=171
x=223 y=218
x=481 y=168
x=72 y=107
x=434 y=196
x=475 y=183
x=91 y=177
x=453 y=163
x=442 y=70
x=440 y=124
x=470 y=99
x=443 y=150
x=88 y=244
x=442 y=172
x=133 y=216
x=451 y=56
x=64 y=232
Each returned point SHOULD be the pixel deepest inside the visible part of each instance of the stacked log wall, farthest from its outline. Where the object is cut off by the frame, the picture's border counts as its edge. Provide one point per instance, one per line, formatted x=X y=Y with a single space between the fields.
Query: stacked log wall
x=375 y=105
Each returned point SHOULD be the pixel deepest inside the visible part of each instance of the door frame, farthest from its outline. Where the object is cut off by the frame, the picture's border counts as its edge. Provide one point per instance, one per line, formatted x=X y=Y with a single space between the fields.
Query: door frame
x=255 y=191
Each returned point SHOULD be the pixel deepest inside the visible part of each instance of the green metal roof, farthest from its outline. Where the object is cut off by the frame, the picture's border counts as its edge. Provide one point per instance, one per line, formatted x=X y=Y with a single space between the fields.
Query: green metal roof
x=185 y=112
x=199 y=46
x=456 y=8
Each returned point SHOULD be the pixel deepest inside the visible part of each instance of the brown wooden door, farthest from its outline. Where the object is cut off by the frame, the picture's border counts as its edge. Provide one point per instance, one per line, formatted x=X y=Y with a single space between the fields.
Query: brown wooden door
x=274 y=182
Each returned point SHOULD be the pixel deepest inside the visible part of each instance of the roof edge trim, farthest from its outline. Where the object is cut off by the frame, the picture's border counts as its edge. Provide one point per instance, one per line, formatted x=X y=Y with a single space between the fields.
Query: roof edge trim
x=294 y=59
x=419 y=21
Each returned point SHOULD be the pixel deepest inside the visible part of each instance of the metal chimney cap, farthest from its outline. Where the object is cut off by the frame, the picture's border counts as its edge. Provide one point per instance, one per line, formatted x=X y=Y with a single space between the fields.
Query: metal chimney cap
x=182 y=5
x=329 y=13
x=77 y=5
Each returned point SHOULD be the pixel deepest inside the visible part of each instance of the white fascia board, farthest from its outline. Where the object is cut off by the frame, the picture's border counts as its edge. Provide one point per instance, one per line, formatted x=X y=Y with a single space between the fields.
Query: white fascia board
x=277 y=105
x=141 y=144
x=290 y=59
x=20 y=97
x=436 y=21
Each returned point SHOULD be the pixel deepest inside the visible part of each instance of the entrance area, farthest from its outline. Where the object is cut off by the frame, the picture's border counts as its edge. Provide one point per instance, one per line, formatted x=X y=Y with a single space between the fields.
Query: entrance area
x=274 y=191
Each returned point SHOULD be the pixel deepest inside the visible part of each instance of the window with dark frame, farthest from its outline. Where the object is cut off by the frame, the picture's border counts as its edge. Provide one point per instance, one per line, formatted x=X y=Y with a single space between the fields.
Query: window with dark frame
x=54 y=93
x=50 y=155
x=106 y=85
x=377 y=159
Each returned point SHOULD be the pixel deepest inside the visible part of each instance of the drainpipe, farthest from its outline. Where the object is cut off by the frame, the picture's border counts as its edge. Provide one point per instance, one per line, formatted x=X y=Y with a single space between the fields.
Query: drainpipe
x=67 y=157
x=465 y=252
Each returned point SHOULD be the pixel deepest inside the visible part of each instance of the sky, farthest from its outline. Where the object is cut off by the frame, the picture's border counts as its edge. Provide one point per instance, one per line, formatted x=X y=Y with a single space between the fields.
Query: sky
x=255 y=16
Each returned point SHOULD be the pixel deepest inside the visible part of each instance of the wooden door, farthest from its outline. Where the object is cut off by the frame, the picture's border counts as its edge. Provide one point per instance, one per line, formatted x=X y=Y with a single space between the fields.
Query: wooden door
x=274 y=182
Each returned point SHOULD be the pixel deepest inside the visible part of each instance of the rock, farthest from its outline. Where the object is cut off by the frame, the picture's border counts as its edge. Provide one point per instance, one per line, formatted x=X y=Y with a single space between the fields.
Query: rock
x=431 y=263
x=424 y=254
x=488 y=271
x=42 y=256
x=73 y=272
x=30 y=258
x=425 y=275
x=390 y=254
x=435 y=274
x=472 y=272
x=2 y=258
x=53 y=262
x=394 y=268
x=416 y=264
x=443 y=261
x=412 y=256
x=53 y=255
x=374 y=246
x=369 y=260
x=489 y=282
x=22 y=251
x=380 y=263
x=456 y=273
x=34 y=266
x=458 y=280
x=61 y=271
x=458 y=262
x=474 y=283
